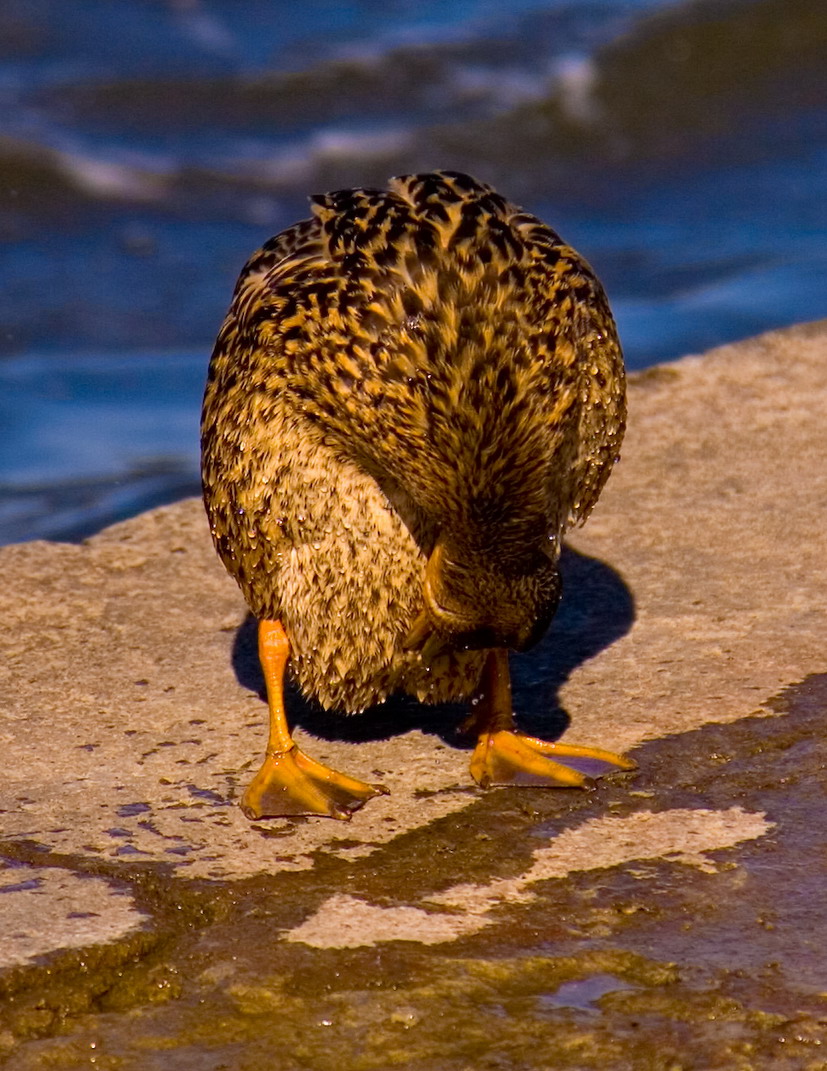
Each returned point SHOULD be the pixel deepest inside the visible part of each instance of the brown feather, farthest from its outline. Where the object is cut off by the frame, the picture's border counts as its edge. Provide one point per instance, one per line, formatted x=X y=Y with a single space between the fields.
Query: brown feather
x=421 y=366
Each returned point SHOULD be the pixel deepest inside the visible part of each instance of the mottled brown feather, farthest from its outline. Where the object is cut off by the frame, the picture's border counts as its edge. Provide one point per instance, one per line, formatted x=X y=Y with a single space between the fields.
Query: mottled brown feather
x=421 y=366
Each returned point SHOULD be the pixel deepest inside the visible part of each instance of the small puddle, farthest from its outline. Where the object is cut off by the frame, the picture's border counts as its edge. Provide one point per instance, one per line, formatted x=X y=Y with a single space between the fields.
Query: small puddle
x=584 y=993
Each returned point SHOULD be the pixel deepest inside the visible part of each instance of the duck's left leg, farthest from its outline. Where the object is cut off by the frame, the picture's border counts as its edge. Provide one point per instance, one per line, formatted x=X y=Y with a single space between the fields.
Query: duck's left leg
x=290 y=782
x=505 y=756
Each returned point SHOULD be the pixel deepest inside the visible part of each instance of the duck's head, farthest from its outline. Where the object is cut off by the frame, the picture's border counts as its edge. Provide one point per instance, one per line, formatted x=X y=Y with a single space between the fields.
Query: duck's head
x=484 y=598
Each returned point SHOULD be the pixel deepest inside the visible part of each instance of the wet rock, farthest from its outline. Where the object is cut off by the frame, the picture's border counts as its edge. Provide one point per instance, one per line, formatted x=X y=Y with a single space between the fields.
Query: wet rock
x=692 y=629
x=44 y=908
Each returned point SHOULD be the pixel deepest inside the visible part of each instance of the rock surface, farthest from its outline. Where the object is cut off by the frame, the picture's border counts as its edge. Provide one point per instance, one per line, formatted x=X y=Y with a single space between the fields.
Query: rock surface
x=131 y=721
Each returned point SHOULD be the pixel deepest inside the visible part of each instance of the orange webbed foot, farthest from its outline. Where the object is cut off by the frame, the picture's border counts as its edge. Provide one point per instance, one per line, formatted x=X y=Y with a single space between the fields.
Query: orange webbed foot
x=505 y=756
x=291 y=783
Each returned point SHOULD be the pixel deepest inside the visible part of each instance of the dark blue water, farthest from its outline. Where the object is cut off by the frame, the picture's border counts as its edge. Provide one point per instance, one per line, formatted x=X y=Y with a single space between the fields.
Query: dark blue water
x=146 y=148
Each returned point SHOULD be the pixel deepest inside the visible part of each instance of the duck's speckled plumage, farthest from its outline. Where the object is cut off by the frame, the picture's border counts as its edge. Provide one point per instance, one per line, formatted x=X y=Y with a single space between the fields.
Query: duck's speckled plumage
x=420 y=368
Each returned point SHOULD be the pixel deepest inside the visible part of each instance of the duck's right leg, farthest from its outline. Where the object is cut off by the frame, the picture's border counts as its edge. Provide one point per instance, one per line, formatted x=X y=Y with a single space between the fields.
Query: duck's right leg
x=505 y=756
x=290 y=783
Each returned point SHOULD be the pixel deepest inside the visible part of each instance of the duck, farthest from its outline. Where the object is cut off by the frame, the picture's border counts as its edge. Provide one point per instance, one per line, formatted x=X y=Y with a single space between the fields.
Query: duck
x=415 y=392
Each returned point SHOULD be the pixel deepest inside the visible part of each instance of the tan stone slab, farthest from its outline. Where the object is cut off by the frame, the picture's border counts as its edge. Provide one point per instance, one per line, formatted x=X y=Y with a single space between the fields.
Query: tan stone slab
x=126 y=735
x=44 y=908
x=716 y=518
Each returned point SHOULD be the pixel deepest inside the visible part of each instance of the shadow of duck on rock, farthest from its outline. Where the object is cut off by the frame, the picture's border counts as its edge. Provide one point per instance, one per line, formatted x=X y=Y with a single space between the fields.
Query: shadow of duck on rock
x=597 y=608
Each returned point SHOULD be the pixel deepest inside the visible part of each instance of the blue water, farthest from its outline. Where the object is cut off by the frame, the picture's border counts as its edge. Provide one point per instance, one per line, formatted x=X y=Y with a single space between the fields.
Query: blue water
x=147 y=148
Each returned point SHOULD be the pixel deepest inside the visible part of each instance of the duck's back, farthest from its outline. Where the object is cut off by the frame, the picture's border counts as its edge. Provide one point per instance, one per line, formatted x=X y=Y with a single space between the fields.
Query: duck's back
x=430 y=341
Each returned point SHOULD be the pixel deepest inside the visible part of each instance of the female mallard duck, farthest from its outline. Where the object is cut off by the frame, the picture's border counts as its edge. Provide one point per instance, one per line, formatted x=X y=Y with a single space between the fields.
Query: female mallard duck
x=413 y=394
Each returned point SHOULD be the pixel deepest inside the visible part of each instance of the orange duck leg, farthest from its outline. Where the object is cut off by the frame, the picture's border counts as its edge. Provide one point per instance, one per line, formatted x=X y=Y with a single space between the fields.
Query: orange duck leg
x=289 y=782
x=505 y=756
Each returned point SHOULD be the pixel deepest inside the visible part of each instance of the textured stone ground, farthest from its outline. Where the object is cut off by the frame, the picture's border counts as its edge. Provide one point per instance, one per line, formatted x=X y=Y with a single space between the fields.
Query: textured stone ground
x=144 y=922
